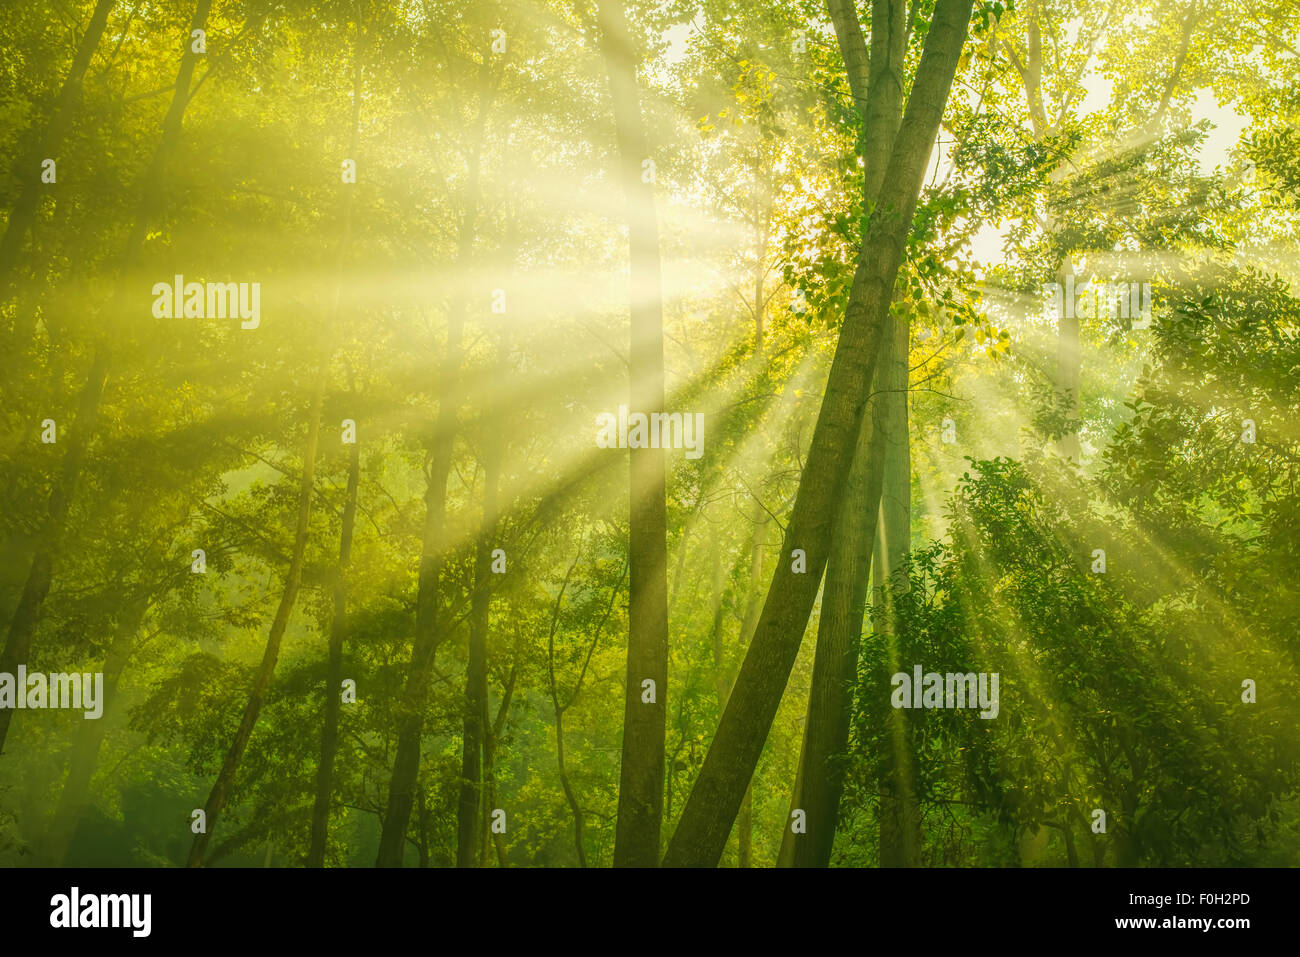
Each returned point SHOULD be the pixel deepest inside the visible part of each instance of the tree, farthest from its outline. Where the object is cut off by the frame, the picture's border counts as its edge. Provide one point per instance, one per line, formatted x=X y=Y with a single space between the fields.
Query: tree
x=429 y=629
x=225 y=782
x=47 y=144
x=27 y=614
x=707 y=818
x=641 y=779
x=876 y=82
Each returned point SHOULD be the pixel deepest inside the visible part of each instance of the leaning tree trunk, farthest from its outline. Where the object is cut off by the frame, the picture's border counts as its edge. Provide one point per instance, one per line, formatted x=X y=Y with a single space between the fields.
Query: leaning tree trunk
x=641 y=778
x=406 y=763
x=820 y=776
x=27 y=614
x=222 y=787
x=46 y=146
x=89 y=736
x=729 y=765
x=561 y=707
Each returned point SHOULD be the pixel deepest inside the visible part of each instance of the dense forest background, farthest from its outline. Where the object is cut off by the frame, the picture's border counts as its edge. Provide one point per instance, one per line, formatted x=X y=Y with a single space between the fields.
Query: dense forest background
x=362 y=584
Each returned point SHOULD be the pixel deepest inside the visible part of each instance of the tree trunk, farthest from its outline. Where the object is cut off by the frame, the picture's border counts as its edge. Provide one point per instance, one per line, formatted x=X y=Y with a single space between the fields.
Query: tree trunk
x=748 y=622
x=27 y=614
x=491 y=735
x=28 y=173
x=151 y=200
x=820 y=776
x=329 y=743
x=729 y=765
x=469 y=816
x=221 y=789
x=422 y=823
x=559 y=708
x=900 y=818
x=641 y=777
x=89 y=737
x=569 y=796
x=1069 y=365
x=745 y=830
x=406 y=762
x=1069 y=358
x=723 y=676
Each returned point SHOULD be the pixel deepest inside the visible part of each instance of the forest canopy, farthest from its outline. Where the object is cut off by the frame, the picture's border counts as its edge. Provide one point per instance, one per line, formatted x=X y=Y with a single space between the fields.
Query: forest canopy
x=649 y=432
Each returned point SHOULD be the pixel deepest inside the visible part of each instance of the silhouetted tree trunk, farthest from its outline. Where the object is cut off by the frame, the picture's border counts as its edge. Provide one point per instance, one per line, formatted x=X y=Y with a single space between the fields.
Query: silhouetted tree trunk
x=422 y=826
x=729 y=765
x=492 y=735
x=27 y=614
x=1068 y=375
x=47 y=146
x=1069 y=366
x=84 y=758
x=469 y=816
x=490 y=738
x=1069 y=348
x=329 y=744
x=641 y=777
x=745 y=830
x=222 y=787
x=433 y=559
x=338 y=622
x=561 y=707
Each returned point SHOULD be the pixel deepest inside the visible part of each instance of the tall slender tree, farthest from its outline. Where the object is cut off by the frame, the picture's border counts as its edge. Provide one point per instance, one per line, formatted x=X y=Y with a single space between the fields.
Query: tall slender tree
x=429 y=618
x=641 y=777
x=27 y=614
x=225 y=781
x=46 y=143
x=338 y=618
x=470 y=812
x=876 y=83
x=900 y=816
x=729 y=765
